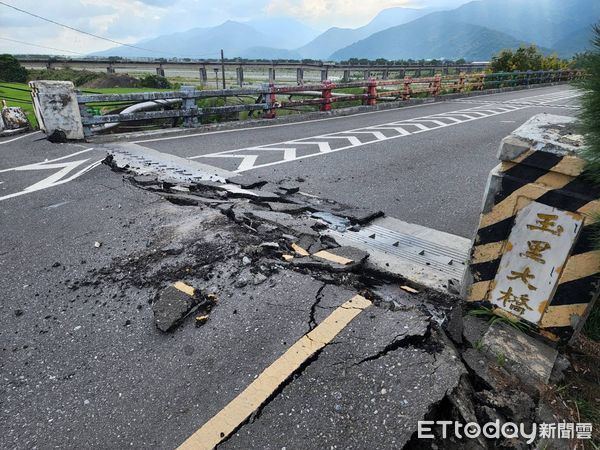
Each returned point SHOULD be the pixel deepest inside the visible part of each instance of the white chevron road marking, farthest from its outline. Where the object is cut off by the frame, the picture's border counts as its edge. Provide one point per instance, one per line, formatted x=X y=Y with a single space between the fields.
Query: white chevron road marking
x=58 y=177
x=322 y=143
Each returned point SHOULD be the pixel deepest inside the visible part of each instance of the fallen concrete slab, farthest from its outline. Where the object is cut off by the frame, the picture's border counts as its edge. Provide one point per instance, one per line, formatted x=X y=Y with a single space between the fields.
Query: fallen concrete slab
x=525 y=356
x=172 y=305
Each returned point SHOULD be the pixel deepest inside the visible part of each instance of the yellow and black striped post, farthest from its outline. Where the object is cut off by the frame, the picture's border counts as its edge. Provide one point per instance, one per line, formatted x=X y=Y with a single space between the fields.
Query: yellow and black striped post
x=539 y=166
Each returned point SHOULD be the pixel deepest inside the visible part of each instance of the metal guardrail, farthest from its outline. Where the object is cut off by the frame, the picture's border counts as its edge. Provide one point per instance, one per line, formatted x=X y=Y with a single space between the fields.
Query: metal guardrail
x=183 y=104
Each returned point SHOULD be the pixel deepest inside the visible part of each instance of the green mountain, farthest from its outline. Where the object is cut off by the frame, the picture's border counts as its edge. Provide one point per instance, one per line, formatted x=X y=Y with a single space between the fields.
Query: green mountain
x=430 y=38
x=576 y=42
x=335 y=38
x=540 y=21
x=503 y=23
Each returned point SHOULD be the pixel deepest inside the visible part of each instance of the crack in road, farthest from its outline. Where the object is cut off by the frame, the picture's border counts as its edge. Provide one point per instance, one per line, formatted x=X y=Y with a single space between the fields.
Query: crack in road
x=312 y=322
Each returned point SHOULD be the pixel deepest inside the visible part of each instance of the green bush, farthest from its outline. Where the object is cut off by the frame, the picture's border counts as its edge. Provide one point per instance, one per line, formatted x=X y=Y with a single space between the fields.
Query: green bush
x=155 y=81
x=78 y=77
x=11 y=70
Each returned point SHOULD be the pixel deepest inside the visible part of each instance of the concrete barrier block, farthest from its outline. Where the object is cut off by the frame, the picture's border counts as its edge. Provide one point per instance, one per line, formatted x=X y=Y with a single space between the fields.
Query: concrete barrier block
x=533 y=257
x=56 y=108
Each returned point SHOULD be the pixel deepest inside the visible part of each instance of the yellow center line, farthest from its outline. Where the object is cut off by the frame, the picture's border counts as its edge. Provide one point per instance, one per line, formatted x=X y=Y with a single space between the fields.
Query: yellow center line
x=226 y=421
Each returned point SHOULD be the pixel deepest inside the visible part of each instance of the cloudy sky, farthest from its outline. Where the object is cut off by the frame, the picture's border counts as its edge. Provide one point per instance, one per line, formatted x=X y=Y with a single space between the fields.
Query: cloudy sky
x=133 y=21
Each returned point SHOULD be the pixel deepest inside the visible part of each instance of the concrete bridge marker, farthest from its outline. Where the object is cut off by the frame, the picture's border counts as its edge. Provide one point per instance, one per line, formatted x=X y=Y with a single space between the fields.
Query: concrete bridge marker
x=533 y=257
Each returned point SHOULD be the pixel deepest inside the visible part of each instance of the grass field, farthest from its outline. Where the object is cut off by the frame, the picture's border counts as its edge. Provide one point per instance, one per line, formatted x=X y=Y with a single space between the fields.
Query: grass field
x=19 y=94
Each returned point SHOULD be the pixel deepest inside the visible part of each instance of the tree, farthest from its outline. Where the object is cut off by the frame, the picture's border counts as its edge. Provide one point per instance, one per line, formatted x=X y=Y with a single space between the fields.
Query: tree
x=12 y=70
x=155 y=81
x=524 y=59
x=590 y=101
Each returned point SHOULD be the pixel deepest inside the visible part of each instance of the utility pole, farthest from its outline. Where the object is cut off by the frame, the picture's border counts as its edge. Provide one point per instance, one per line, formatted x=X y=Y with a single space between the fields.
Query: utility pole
x=223 y=68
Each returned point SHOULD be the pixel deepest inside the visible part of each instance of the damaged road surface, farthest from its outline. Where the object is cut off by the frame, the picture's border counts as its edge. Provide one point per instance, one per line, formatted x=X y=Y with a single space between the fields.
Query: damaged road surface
x=202 y=308
x=276 y=269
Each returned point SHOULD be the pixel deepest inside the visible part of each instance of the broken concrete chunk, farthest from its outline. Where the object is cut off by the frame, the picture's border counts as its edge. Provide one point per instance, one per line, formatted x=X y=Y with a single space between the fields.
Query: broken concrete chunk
x=299 y=250
x=306 y=241
x=259 y=278
x=316 y=247
x=299 y=225
x=246 y=181
x=172 y=304
x=288 y=188
x=270 y=245
x=473 y=329
x=265 y=228
x=182 y=199
x=263 y=196
x=323 y=254
x=337 y=262
x=461 y=398
x=287 y=257
x=409 y=289
x=201 y=320
x=526 y=357
x=14 y=118
x=291 y=208
x=454 y=324
x=337 y=222
x=145 y=180
x=493 y=376
x=512 y=403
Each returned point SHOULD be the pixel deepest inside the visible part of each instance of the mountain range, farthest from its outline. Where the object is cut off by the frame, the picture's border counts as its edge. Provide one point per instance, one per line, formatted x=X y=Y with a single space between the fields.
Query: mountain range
x=473 y=31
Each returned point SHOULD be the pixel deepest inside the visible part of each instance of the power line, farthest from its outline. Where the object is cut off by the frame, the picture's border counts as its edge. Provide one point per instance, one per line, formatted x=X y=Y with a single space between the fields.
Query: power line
x=88 y=34
x=77 y=30
x=40 y=46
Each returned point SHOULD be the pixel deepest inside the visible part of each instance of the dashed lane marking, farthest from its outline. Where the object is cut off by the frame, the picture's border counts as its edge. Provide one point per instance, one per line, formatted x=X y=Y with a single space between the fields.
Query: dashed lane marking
x=226 y=421
x=250 y=157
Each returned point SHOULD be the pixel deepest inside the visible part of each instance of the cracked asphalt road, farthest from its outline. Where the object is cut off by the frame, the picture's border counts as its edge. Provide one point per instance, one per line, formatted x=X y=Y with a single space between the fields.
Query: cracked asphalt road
x=82 y=365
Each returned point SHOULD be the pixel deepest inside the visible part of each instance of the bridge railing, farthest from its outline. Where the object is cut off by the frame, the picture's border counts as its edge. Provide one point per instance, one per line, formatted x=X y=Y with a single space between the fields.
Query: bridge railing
x=189 y=107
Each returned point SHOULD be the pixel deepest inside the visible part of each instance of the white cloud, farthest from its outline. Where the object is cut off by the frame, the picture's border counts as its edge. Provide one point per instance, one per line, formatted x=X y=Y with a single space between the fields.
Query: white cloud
x=131 y=21
x=326 y=13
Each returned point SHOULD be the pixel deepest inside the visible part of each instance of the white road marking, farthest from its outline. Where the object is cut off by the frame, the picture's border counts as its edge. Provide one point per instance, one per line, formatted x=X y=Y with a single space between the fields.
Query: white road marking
x=192 y=135
x=19 y=137
x=276 y=125
x=57 y=178
x=288 y=152
x=548 y=99
x=322 y=144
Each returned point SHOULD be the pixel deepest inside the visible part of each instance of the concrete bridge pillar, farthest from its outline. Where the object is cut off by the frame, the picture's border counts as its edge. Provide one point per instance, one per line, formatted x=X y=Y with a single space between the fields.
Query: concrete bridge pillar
x=324 y=74
x=110 y=69
x=386 y=74
x=240 y=75
x=346 y=76
x=271 y=74
x=366 y=74
x=300 y=75
x=401 y=73
x=203 y=74
x=160 y=71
